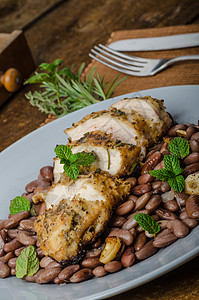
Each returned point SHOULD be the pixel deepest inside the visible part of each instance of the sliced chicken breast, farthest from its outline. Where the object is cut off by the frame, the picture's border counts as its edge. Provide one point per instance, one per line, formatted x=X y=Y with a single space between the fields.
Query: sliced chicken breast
x=152 y=110
x=128 y=128
x=114 y=157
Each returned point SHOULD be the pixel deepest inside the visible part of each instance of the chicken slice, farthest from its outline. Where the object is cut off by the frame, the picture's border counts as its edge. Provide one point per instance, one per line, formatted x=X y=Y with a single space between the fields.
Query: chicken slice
x=65 y=230
x=91 y=187
x=152 y=110
x=114 y=157
x=78 y=211
x=128 y=128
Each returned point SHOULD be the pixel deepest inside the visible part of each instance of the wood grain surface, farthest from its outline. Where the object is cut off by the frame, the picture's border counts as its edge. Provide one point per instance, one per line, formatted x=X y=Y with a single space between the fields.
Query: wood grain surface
x=68 y=30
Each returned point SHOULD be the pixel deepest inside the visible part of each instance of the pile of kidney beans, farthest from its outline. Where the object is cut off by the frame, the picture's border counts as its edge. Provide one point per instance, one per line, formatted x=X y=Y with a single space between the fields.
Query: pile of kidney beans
x=176 y=213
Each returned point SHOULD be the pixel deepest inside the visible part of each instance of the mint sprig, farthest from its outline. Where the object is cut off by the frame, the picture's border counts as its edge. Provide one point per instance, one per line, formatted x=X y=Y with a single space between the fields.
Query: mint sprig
x=179 y=147
x=27 y=262
x=72 y=161
x=19 y=204
x=172 y=171
x=147 y=223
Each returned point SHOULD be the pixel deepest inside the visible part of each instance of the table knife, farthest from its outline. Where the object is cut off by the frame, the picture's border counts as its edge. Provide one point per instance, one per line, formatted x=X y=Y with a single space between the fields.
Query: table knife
x=157 y=43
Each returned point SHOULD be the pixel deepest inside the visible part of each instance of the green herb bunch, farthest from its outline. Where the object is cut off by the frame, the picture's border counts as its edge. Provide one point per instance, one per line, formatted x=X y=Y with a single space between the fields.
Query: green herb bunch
x=172 y=173
x=62 y=91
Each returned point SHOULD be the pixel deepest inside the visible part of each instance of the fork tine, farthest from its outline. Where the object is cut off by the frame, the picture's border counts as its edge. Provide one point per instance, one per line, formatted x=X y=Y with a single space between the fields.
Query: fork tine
x=124 y=66
x=134 y=73
x=126 y=61
x=129 y=57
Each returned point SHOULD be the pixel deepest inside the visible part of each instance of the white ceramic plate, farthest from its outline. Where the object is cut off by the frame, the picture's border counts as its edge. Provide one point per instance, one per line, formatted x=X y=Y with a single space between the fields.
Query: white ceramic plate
x=20 y=164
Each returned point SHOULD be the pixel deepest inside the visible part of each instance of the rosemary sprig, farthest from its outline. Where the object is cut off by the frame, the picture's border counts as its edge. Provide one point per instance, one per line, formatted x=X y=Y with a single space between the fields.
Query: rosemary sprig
x=62 y=92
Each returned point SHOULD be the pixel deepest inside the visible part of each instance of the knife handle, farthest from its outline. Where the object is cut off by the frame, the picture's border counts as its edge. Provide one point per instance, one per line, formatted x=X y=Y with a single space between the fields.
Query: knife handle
x=11 y=80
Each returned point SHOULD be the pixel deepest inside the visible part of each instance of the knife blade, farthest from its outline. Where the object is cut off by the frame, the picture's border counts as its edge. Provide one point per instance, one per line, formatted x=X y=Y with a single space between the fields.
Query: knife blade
x=157 y=43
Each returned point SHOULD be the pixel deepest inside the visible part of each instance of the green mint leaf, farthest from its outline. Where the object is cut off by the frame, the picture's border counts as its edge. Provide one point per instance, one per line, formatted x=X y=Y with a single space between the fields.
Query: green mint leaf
x=179 y=147
x=83 y=158
x=172 y=163
x=72 y=171
x=147 y=223
x=162 y=174
x=63 y=152
x=19 y=204
x=27 y=262
x=177 y=183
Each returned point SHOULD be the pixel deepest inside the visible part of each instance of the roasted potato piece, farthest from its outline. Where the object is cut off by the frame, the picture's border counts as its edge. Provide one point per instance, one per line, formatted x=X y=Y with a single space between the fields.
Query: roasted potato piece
x=192 y=184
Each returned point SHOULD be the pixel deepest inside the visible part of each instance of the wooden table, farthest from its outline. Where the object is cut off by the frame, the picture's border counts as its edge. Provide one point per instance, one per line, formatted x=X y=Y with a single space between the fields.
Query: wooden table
x=68 y=30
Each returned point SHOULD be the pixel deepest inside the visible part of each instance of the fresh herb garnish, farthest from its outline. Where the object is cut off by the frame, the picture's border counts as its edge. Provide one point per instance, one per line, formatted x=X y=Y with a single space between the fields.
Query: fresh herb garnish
x=72 y=161
x=179 y=147
x=147 y=223
x=172 y=171
x=19 y=204
x=63 y=91
x=27 y=262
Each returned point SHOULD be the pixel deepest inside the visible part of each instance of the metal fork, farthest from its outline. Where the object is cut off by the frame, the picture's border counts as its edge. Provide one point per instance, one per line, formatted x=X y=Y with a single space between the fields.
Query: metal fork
x=133 y=65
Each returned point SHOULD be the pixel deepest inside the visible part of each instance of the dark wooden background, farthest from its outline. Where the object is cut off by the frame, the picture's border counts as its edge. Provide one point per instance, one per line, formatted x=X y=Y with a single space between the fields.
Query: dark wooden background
x=68 y=30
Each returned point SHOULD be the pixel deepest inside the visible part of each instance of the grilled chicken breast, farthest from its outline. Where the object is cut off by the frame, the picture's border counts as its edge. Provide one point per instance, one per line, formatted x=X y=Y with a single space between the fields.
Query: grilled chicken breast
x=128 y=128
x=78 y=212
x=114 y=157
x=92 y=187
x=65 y=230
x=152 y=110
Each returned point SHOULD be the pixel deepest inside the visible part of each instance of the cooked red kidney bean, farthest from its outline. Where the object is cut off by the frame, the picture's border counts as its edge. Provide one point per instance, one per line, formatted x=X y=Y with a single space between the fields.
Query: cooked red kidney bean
x=195 y=137
x=91 y=262
x=190 y=131
x=159 y=166
x=165 y=214
x=42 y=208
x=2 y=243
x=96 y=244
x=132 y=181
x=48 y=275
x=18 y=251
x=141 y=239
x=156 y=185
x=12 y=245
x=165 y=187
x=2 y=222
x=58 y=281
x=141 y=189
x=178 y=228
x=153 y=203
x=27 y=224
x=155 y=217
x=145 y=178
x=151 y=162
x=131 y=222
x=45 y=261
x=117 y=221
x=6 y=257
x=128 y=257
x=142 y=201
x=181 y=198
x=4 y=270
x=99 y=271
x=191 y=169
x=146 y=251
x=194 y=145
x=124 y=235
x=191 y=223
x=171 y=205
x=192 y=206
x=164 y=148
x=163 y=224
x=133 y=232
x=94 y=252
x=125 y=208
x=46 y=173
x=30 y=187
x=172 y=130
x=12 y=262
x=67 y=272
x=164 y=240
x=34 y=277
x=13 y=271
x=12 y=233
x=82 y=275
x=139 y=229
x=113 y=266
x=53 y=264
x=14 y=220
x=183 y=215
x=25 y=239
x=191 y=159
